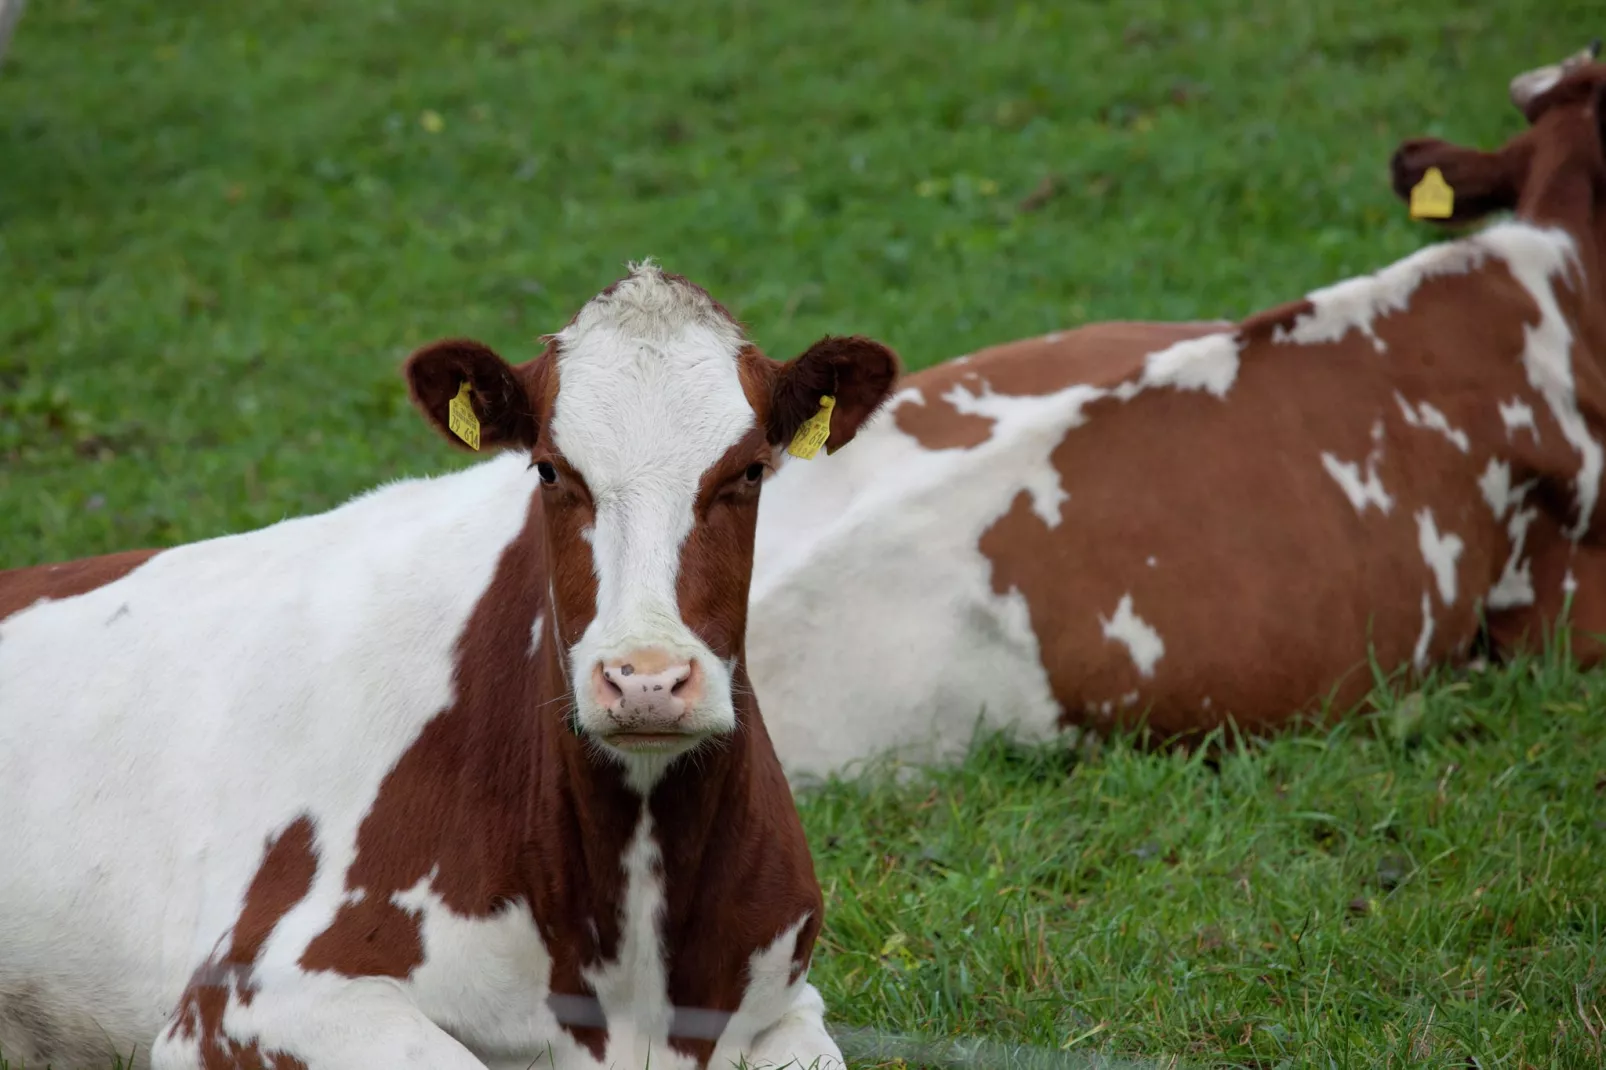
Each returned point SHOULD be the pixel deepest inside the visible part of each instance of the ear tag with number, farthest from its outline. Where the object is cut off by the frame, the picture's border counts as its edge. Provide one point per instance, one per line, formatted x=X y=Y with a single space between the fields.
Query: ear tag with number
x=815 y=430
x=1432 y=198
x=461 y=419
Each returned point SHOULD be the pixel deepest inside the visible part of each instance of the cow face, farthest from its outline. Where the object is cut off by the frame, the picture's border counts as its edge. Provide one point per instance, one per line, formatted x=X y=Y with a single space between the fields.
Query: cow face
x=651 y=422
x=1550 y=173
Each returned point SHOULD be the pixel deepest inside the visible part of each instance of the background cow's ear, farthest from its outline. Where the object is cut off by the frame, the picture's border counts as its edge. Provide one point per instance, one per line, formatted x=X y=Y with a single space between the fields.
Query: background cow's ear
x=502 y=407
x=856 y=371
x=1480 y=182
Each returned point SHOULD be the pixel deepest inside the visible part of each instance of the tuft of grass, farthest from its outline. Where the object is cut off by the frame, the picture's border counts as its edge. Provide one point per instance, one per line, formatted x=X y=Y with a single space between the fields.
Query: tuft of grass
x=1422 y=887
x=223 y=226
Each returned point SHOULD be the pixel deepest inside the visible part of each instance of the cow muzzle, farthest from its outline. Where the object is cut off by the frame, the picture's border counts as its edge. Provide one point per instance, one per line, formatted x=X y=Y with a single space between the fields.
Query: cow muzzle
x=650 y=700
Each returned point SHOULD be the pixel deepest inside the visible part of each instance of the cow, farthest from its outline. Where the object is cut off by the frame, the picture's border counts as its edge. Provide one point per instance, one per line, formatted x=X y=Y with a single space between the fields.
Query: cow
x=1181 y=525
x=464 y=773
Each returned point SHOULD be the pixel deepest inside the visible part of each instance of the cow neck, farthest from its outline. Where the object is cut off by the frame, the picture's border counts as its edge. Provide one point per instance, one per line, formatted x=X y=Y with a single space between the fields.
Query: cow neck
x=1559 y=190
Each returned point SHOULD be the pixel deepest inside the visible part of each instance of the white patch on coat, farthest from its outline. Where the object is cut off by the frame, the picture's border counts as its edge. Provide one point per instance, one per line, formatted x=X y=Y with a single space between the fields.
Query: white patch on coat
x=633 y=989
x=1515 y=585
x=1362 y=490
x=1208 y=363
x=1043 y=484
x=1136 y=634
x=1539 y=259
x=1053 y=337
x=536 y=627
x=1419 y=657
x=1151 y=562
x=1355 y=304
x=662 y=352
x=1427 y=415
x=1441 y=552
x=1517 y=414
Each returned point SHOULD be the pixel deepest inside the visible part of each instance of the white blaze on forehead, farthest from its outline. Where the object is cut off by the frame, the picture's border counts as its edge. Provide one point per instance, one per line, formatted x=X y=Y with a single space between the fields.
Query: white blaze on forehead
x=1426 y=415
x=649 y=397
x=1441 y=552
x=1517 y=414
x=1139 y=637
x=1539 y=259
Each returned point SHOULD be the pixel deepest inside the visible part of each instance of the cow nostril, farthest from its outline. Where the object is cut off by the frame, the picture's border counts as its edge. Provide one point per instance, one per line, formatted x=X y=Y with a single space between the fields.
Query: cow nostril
x=687 y=675
x=607 y=689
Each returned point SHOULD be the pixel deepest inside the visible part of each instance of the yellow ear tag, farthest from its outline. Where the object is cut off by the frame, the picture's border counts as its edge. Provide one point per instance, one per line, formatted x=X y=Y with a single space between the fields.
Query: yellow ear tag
x=1432 y=198
x=461 y=419
x=815 y=430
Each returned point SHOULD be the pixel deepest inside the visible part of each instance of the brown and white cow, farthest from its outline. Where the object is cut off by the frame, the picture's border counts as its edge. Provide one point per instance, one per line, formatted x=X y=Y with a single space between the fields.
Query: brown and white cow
x=464 y=773
x=1195 y=521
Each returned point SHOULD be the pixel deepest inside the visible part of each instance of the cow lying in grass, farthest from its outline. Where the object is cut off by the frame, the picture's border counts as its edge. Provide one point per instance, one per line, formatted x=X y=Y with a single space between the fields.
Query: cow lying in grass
x=1193 y=522
x=466 y=772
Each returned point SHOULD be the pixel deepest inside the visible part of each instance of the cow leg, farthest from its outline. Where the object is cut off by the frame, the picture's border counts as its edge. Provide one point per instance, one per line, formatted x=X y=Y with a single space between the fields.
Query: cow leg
x=327 y=1024
x=798 y=1040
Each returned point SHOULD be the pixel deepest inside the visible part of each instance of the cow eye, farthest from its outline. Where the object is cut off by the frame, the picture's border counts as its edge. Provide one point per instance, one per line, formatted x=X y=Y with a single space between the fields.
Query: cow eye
x=755 y=473
x=548 y=474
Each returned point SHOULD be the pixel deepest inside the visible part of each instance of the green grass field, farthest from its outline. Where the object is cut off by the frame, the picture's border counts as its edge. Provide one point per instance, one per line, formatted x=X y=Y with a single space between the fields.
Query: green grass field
x=223 y=226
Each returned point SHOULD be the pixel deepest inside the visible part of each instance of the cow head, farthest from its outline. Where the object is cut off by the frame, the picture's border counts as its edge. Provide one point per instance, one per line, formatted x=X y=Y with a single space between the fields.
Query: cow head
x=651 y=422
x=1550 y=174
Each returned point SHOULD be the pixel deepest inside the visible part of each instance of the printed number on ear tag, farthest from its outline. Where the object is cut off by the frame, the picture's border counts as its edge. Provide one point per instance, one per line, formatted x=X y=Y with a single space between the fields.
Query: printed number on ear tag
x=461 y=419
x=1432 y=198
x=815 y=430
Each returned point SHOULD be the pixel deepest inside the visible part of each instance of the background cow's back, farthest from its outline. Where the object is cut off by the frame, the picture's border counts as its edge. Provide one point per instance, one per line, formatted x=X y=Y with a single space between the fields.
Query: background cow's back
x=1191 y=523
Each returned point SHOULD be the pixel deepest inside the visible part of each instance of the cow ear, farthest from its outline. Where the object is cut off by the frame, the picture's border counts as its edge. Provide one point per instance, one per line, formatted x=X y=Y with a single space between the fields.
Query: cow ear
x=856 y=372
x=1479 y=182
x=471 y=396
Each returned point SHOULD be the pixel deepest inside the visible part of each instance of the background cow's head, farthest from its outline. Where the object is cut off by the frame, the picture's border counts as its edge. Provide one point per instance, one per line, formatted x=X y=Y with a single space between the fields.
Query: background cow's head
x=1551 y=173
x=651 y=423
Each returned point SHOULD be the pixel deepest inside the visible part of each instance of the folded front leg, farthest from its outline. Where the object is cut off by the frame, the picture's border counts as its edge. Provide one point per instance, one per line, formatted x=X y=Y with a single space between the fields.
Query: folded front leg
x=318 y=1023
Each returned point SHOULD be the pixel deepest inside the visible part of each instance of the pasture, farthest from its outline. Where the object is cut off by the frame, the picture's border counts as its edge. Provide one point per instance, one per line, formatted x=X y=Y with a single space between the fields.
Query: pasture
x=221 y=229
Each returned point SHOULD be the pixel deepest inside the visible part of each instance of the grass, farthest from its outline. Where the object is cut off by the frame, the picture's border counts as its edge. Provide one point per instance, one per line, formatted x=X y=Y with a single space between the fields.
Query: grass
x=223 y=226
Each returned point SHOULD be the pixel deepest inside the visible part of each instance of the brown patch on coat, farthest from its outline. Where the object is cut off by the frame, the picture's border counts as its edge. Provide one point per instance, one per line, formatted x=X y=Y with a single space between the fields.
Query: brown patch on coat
x=22 y=587
x=283 y=879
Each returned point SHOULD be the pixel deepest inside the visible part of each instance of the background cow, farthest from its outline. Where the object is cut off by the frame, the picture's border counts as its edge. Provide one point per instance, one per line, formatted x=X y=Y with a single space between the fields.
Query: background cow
x=467 y=771
x=1191 y=522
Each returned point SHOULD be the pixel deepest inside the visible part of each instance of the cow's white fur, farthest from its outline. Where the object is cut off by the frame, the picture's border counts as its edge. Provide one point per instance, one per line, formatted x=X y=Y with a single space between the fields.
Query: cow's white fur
x=1441 y=552
x=1517 y=414
x=1419 y=656
x=156 y=732
x=649 y=398
x=1134 y=633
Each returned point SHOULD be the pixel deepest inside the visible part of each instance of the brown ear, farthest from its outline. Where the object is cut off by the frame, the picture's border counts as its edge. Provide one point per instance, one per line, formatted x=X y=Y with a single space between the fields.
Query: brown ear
x=1481 y=182
x=501 y=403
x=857 y=372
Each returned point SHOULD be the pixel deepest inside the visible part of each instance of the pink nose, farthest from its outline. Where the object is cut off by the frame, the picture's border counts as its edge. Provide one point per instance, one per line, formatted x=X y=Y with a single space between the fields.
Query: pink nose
x=646 y=690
